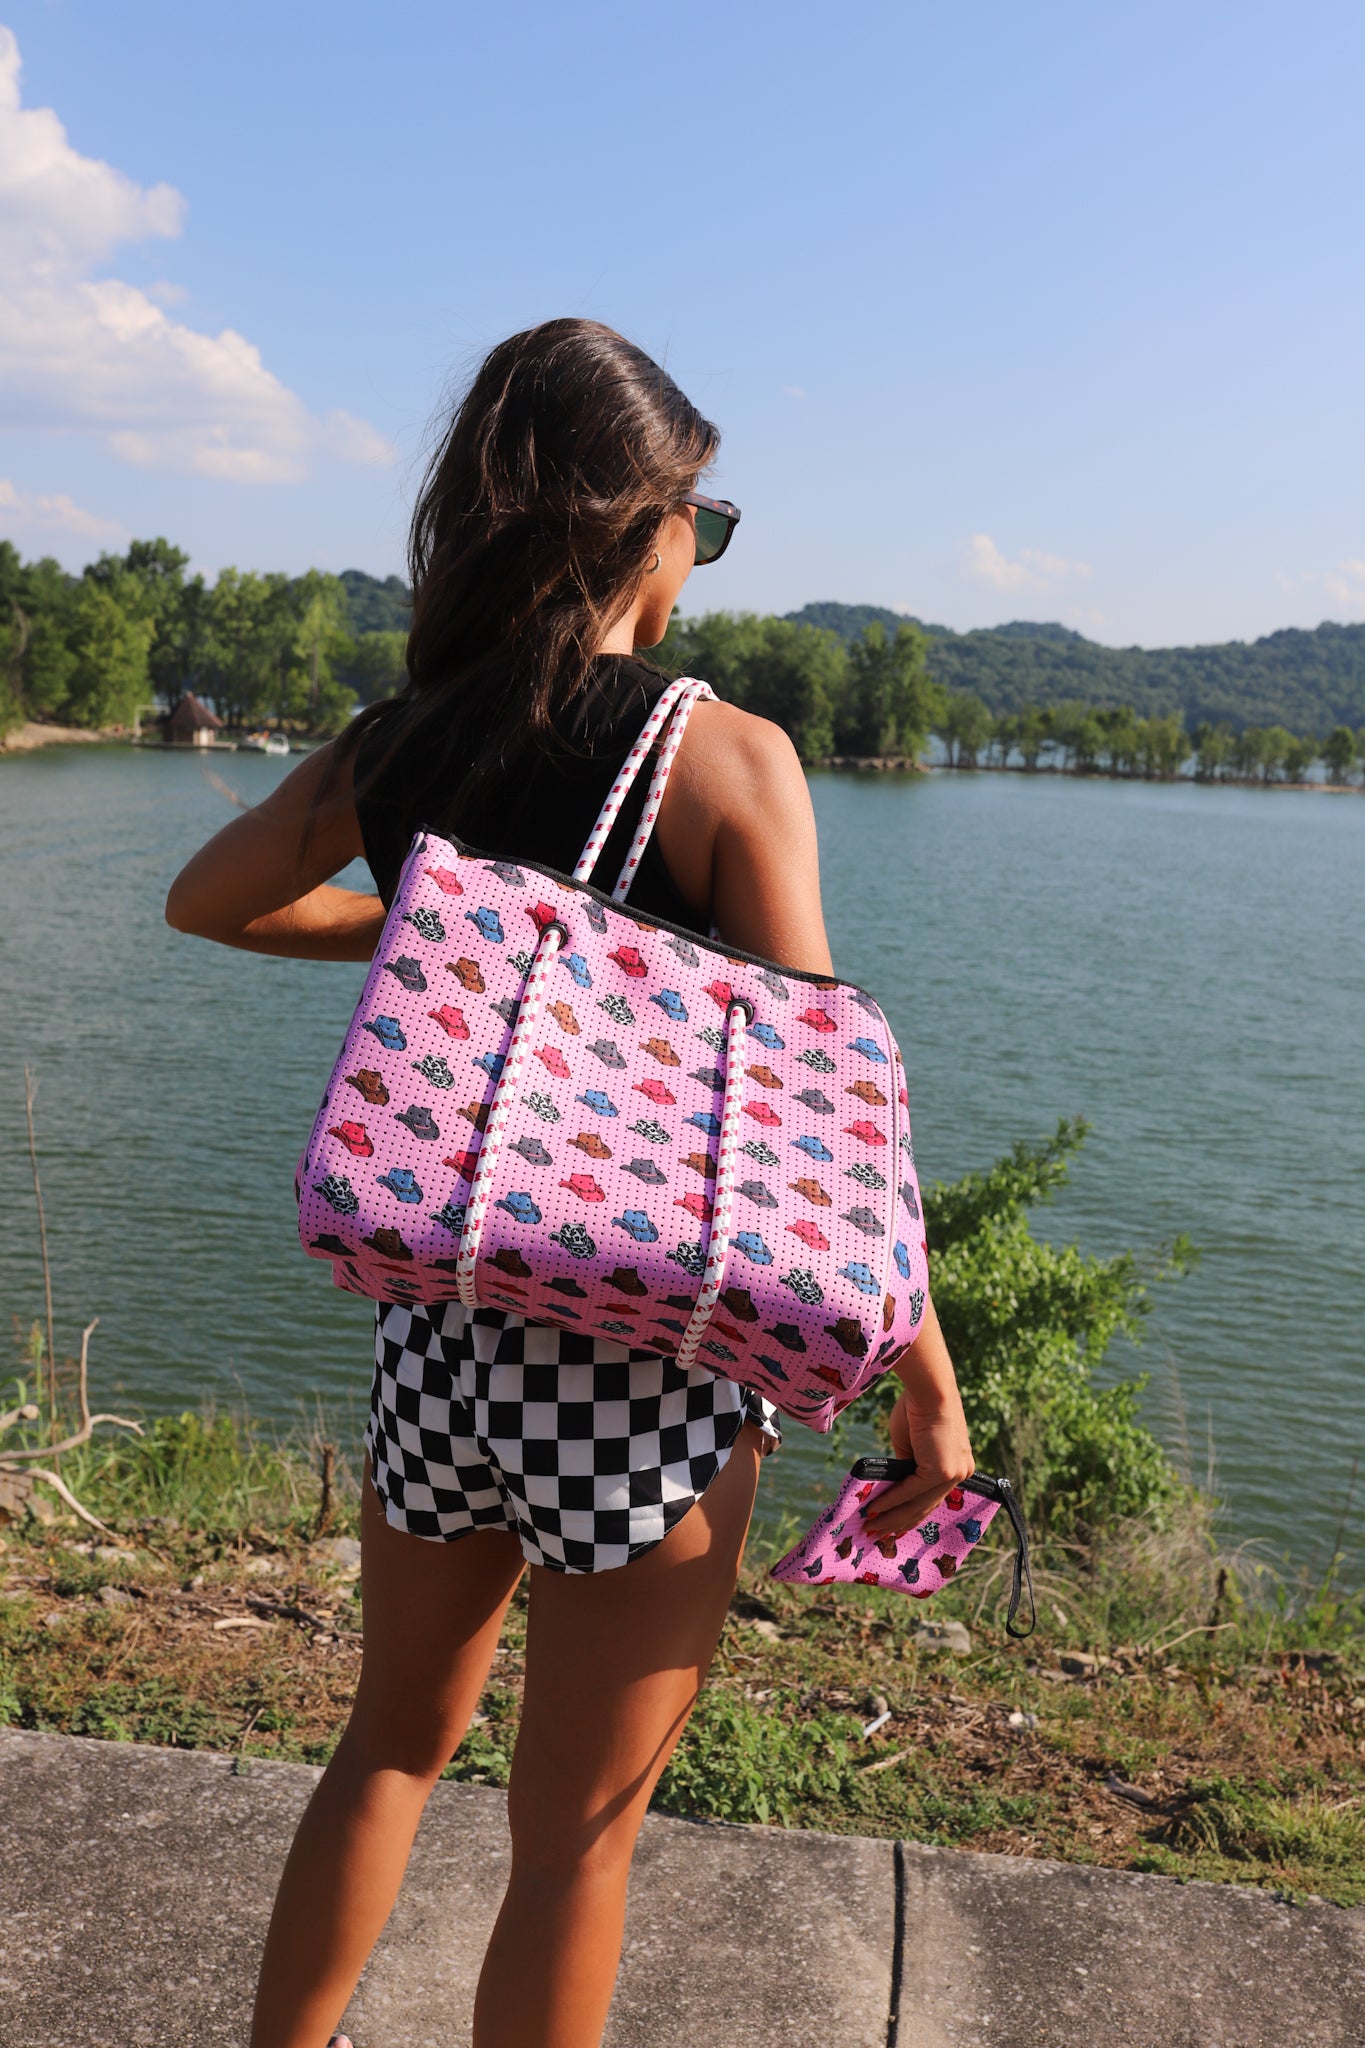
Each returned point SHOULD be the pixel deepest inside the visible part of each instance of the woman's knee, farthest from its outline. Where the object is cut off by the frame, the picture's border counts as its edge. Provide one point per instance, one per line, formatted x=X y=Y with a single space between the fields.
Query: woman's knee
x=410 y=1737
x=557 y=1844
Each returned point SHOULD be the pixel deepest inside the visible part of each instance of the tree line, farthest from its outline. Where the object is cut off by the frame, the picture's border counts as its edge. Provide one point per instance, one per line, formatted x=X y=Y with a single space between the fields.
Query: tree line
x=135 y=630
x=1305 y=681
x=873 y=696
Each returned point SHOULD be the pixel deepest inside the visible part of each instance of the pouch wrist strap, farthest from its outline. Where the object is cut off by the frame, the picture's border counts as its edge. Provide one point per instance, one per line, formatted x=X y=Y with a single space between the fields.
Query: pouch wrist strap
x=1023 y=1573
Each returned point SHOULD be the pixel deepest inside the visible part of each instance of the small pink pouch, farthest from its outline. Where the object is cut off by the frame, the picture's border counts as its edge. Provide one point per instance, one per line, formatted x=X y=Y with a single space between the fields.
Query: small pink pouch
x=837 y=1546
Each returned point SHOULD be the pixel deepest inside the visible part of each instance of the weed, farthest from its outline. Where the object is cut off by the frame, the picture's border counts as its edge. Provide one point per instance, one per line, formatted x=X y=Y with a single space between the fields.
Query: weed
x=737 y=1763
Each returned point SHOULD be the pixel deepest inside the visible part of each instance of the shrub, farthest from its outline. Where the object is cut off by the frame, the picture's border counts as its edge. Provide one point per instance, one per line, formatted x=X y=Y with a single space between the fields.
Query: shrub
x=1029 y=1324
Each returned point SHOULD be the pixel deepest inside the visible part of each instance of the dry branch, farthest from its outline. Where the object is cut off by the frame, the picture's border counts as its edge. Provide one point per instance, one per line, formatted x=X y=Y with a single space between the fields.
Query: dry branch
x=30 y=1090
x=69 y=1497
x=89 y=1422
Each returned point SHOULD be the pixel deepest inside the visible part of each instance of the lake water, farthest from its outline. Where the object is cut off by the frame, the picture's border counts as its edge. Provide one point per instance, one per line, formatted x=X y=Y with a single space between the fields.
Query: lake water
x=1184 y=966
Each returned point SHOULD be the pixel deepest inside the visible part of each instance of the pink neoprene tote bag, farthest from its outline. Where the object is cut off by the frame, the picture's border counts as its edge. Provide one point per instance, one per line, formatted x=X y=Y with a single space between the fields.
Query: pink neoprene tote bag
x=550 y=1102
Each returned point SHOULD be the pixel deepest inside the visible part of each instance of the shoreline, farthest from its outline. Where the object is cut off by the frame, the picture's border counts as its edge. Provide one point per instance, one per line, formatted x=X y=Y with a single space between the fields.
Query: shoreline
x=28 y=737
x=890 y=764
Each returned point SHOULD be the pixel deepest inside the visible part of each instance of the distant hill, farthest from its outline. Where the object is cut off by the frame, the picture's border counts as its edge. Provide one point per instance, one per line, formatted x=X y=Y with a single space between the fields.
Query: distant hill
x=1308 y=681
x=377 y=607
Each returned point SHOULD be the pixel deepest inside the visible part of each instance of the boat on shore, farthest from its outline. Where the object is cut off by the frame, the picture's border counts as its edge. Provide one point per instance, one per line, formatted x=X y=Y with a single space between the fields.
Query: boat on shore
x=263 y=743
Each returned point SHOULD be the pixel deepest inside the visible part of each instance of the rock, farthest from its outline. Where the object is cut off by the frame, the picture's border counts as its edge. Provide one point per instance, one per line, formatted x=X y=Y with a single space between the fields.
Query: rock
x=107 y=1554
x=41 y=1509
x=943 y=1635
x=769 y=1631
x=261 y=1568
x=56 y=1617
x=341 y=1551
x=16 y=1493
x=1121 y=1789
x=879 y=1703
x=1021 y=1720
x=115 y=1596
x=1078 y=1663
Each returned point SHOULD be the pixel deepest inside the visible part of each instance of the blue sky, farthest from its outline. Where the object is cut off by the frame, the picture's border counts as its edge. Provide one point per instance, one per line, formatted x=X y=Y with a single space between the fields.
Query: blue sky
x=1048 y=313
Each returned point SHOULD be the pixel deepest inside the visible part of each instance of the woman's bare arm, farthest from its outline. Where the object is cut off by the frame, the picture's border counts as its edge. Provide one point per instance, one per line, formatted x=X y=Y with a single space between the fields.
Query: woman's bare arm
x=737 y=832
x=741 y=835
x=258 y=885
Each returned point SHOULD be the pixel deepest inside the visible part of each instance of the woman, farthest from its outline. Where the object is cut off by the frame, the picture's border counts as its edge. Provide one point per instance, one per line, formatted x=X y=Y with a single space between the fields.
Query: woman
x=557 y=524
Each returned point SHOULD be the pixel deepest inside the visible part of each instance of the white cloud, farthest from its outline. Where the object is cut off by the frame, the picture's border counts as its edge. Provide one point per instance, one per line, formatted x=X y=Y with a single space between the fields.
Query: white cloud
x=79 y=353
x=1345 y=585
x=1031 y=569
x=794 y=391
x=25 y=512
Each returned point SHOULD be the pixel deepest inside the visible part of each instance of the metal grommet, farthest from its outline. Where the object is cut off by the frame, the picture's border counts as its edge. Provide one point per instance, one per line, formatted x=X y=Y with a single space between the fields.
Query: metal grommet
x=743 y=1003
x=552 y=924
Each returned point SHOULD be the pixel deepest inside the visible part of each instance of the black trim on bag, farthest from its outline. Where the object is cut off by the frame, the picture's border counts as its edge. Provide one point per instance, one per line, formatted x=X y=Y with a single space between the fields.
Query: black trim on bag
x=643 y=918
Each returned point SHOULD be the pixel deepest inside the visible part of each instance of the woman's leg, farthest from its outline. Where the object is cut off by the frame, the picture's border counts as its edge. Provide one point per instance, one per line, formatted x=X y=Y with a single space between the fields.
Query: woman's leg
x=614 y=1662
x=432 y=1616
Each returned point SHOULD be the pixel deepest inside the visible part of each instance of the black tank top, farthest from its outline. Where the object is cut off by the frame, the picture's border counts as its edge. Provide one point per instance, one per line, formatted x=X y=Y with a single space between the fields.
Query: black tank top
x=548 y=802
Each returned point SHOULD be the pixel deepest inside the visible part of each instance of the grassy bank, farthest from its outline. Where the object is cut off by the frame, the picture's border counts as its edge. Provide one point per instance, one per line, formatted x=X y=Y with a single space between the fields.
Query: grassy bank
x=1160 y=1719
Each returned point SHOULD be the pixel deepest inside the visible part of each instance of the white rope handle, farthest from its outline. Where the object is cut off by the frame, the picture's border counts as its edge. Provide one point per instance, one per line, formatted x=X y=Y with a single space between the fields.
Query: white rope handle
x=548 y=945
x=687 y=700
x=722 y=1211
x=679 y=697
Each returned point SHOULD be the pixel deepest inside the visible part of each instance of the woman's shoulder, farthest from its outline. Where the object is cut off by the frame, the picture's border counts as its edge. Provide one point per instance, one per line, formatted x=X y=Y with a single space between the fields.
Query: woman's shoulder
x=741 y=746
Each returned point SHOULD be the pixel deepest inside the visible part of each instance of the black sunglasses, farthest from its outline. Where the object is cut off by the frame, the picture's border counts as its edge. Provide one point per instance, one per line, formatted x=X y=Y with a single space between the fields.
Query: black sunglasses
x=717 y=519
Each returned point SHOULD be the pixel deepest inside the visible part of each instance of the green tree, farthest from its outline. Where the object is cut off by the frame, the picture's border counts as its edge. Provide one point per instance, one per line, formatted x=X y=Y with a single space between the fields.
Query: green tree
x=794 y=677
x=888 y=702
x=1120 y=744
x=1245 y=753
x=377 y=665
x=1076 y=730
x=718 y=647
x=1273 y=743
x=109 y=645
x=249 y=645
x=1339 y=752
x=311 y=693
x=1163 y=746
x=150 y=583
x=1030 y=1325
x=1005 y=737
x=36 y=661
x=1213 y=747
x=1299 y=757
x=1032 y=735
x=965 y=726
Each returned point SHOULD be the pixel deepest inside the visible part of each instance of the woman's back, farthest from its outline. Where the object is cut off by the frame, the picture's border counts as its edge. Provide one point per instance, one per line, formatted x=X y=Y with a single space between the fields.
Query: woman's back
x=540 y=805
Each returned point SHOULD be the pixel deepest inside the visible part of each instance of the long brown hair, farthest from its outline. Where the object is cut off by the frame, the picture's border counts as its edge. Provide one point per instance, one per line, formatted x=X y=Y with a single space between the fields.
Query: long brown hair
x=535 y=521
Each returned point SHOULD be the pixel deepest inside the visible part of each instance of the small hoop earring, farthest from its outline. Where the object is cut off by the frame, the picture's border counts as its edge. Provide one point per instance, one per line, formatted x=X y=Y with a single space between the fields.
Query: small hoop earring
x=655 y=564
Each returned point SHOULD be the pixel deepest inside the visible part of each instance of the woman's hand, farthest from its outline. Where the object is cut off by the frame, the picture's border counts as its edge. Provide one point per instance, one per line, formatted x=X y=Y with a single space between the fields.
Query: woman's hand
x=928 y=1425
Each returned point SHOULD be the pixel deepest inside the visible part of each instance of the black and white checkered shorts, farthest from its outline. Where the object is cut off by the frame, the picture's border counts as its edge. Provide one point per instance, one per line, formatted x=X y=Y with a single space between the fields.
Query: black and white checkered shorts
x=587 y=1450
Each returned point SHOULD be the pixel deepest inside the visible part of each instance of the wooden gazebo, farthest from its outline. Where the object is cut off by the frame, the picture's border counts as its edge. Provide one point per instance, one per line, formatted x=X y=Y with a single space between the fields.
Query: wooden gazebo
x=190 y=723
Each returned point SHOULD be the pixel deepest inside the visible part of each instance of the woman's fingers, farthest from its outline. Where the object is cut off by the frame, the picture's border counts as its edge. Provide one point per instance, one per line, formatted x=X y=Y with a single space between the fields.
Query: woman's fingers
x=909 y=1503
x=904 y=1506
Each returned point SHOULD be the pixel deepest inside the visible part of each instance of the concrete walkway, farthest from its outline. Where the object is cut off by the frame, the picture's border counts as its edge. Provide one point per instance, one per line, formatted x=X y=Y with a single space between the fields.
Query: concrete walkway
x=135 y=1886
